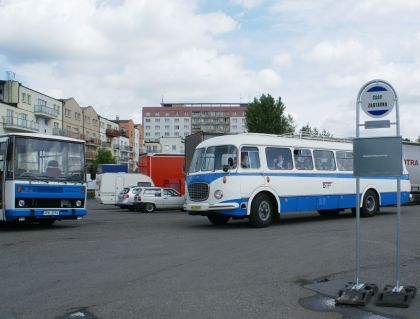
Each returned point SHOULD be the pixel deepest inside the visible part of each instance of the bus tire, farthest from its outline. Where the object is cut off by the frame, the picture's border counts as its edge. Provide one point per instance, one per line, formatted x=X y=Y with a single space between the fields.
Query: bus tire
x=149 y=208
x=329 y=212
x=131 y=208
x=370 y=204
x=218 y=219
x=262 y=211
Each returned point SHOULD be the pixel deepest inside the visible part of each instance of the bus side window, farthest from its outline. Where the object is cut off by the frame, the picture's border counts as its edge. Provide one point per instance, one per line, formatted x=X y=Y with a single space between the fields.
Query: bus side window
x=303 y=159
x=250 y=158
x=278 y=158
x=344 y=160
x=324 y=160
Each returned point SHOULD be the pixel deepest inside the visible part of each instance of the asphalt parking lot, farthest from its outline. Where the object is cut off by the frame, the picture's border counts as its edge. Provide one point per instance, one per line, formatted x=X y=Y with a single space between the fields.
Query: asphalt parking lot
x=122 y=264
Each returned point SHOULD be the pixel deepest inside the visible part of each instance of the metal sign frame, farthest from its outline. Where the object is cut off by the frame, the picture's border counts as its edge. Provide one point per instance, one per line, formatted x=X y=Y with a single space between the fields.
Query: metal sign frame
x=398 y=217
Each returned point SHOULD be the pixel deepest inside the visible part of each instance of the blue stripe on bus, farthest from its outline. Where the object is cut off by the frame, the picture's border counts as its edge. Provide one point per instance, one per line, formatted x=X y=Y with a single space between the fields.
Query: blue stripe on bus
x=210 y=177
x=49 y=191
x=295 y=204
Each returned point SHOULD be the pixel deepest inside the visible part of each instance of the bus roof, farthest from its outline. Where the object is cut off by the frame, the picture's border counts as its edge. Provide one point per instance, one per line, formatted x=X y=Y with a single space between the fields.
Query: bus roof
x=44 y=136
x=274 y=140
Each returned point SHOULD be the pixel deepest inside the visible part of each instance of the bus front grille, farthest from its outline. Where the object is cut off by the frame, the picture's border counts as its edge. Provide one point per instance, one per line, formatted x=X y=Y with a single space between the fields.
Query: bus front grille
x=198 y=191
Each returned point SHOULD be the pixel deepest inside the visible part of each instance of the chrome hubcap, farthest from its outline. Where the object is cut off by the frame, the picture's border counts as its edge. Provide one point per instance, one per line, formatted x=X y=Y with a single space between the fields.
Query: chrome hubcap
x=370 y=203
x=264 y=210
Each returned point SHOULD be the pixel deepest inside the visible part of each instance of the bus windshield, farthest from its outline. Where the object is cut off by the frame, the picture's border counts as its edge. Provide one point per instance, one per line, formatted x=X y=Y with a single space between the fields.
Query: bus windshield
x=213 y=158
x=48 y=160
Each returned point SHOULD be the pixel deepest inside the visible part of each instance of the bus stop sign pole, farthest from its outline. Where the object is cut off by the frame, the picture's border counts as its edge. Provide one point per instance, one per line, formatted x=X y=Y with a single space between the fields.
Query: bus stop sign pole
x=377 y=157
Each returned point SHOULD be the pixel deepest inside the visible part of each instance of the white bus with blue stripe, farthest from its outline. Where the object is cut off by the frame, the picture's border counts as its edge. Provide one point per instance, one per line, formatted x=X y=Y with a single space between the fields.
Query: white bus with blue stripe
x=261 y=177
x=42 y=178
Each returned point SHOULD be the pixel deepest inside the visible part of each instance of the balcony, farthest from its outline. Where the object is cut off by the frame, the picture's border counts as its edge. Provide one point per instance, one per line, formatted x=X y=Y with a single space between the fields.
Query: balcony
x=20 y=125
x=45 y=112
x=106 y=144
x=116 y=146
x=125 y=148
x=92 y=141
x=112 y=133
x=67 y=133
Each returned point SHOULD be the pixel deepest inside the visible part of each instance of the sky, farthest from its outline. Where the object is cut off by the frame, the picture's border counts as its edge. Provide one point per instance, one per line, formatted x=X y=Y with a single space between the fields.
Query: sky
x=122 y=55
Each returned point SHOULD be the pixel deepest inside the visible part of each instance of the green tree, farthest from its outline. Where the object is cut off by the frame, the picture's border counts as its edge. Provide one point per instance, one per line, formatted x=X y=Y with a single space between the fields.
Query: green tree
x=267 y=115
x=308 y=130
x=103 y=156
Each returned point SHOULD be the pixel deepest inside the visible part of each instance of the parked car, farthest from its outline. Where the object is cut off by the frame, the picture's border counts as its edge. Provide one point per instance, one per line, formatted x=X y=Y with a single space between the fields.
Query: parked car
x=150 y=199
x=125 y=198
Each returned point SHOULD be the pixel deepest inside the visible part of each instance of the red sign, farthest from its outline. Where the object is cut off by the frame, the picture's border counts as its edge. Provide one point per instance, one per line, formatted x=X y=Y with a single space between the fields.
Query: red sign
x=411 y=162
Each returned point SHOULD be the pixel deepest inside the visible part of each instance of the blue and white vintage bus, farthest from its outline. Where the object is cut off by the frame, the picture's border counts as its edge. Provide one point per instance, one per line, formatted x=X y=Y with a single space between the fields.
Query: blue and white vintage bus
x=42 y=178
x=261 y=177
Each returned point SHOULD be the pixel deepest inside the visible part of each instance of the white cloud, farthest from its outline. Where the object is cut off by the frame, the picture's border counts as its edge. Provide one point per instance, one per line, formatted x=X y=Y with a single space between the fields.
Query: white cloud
x=248 y=3
x=281 y=60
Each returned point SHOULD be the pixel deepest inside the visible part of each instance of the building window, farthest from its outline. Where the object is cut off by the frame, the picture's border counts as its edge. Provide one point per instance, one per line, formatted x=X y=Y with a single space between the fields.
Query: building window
x=147 y=113
x=157 y=114
x=167 y=120
x=166 y=127
x=166 y=114
x=147 y=127
x=176 y=120
x=67 y=113
x=157 y=134
x=147 y=120
x=23 y=97
x=185 y=113
x=56 y=125
x=166 y=133
x=186 y=127
x=157 y=127
x=157 y=120
x=186 y=120
x=147 y=134
x=29 y=100
x=56 y=107
x=177 y=127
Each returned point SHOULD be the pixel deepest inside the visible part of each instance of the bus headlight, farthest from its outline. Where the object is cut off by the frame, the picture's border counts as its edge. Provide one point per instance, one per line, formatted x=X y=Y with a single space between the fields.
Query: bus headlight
x=218 y=194
x=21 y=203
x=78 y=203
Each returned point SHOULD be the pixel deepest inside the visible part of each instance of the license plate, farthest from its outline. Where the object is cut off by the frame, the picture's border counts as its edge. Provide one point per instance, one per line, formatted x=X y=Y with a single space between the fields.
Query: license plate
x=51 y=212
x=195 y=207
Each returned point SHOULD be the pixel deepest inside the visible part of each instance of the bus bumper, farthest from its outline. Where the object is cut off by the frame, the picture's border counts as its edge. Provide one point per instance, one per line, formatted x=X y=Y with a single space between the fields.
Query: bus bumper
x=42 y=214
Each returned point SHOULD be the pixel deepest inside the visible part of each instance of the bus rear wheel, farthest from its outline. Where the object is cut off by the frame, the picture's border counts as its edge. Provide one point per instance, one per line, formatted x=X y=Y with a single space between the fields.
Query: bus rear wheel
x=218 y=219
x=262 y=211
x=370 y=204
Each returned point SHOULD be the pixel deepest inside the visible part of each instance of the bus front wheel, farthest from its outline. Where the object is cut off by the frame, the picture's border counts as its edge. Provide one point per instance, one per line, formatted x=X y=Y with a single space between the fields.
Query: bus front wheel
x=370 y=204
x=262 y=211
x=218 y=219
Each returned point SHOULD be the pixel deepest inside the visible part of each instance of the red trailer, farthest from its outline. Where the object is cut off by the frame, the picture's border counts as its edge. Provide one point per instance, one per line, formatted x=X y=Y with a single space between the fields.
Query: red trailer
x=166 y=170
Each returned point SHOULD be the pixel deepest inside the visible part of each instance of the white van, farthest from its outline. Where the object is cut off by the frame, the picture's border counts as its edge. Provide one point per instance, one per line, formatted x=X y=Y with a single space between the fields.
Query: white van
x=109 y=185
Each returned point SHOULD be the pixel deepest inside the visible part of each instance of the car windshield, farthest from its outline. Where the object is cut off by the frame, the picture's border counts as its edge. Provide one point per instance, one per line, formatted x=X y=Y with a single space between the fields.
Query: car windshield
x=50 y=160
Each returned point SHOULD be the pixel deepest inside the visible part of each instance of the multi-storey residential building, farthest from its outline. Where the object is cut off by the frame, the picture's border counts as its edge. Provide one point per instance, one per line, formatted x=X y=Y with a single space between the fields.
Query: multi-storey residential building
x=25 y=110
x=91 y=132
x=73 y=121
x=182 y=119
x=142 y=149
x=109 y=133
x=127 y=151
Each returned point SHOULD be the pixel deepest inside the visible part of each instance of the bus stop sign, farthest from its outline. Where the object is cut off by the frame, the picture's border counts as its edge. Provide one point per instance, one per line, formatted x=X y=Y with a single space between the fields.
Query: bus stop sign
x=377 y=99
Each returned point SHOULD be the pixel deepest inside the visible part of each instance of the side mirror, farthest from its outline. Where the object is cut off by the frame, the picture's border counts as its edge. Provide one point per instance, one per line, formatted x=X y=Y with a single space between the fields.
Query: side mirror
x=228 y=165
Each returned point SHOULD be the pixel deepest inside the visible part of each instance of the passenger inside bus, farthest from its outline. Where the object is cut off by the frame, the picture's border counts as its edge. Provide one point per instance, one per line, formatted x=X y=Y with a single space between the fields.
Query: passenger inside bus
x=244 y=160
x=53 y=170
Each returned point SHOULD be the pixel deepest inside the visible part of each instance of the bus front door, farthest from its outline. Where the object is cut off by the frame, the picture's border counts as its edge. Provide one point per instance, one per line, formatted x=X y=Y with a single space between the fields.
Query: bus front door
x=3 y=147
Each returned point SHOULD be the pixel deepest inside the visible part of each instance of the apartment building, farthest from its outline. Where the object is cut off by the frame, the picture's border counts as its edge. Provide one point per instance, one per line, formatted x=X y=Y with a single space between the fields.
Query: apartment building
x=91 y=132
x=23 y=109
x=72 y=119
x=177 y=120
